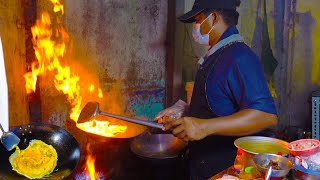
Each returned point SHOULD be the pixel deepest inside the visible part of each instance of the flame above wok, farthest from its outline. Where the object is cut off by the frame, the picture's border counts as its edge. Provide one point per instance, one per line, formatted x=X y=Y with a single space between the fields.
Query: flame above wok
x=50 y=42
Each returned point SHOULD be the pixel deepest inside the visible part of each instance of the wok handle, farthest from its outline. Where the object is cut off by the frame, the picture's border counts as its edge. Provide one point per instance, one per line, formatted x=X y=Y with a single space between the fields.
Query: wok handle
x=136 y=121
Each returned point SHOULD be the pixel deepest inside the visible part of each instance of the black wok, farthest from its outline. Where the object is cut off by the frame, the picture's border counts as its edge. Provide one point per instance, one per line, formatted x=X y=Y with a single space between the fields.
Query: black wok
x=65 y=144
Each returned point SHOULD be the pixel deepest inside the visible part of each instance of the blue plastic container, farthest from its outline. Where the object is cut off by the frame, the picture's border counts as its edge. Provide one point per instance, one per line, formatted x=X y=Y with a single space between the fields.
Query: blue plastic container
x=302 y=173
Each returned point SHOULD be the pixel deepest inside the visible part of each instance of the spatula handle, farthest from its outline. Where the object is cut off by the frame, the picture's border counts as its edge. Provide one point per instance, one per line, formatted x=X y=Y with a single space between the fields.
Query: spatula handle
x=268 y=173
x=2 y=129
x=136 y=121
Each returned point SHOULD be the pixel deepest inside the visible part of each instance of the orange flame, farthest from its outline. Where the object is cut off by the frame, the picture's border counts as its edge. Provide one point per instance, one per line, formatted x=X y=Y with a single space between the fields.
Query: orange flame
x=102 y=128
x=49 y=43
x=91 y=167
x=100 y=95
x=57 y=6
x=91 y=88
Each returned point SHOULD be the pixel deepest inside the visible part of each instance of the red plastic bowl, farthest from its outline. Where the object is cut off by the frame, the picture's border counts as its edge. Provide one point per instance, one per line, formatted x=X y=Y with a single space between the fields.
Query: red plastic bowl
x=304 y=152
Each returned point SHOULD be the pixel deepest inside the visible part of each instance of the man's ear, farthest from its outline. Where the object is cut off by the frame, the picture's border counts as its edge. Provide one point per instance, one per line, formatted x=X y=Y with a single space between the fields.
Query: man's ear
x=215 y=16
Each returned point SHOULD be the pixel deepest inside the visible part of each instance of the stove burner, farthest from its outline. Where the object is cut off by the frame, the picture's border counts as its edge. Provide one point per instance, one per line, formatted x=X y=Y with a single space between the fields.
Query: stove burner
x=100 y=175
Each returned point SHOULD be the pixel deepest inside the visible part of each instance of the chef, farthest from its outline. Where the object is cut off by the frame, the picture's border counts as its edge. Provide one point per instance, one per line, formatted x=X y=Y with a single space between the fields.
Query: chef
x=230 y=96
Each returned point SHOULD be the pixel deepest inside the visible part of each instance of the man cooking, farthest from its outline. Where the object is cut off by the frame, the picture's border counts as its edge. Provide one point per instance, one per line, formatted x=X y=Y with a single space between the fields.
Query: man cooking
x=230 y=96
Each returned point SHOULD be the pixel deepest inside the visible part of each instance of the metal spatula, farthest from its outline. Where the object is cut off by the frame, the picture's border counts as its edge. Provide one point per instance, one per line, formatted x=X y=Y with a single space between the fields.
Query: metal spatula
x=268 y=174
x=91 y=109
x=9 y=139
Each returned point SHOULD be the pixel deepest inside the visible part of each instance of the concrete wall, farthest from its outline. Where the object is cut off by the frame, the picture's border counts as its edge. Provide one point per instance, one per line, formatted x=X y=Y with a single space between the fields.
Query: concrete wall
x=120 y=47
x=294 y=38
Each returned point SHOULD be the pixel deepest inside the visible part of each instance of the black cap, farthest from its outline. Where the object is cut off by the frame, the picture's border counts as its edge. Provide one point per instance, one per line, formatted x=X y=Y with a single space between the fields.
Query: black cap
x=206 y=6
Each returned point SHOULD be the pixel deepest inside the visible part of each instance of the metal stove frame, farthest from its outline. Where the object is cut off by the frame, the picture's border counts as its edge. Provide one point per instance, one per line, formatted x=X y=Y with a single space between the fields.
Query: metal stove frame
x=316 y=115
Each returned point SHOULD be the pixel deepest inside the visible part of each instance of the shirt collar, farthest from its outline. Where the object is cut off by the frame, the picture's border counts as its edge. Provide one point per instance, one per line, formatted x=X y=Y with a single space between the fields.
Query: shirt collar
x=229 y=36
x=230 y=31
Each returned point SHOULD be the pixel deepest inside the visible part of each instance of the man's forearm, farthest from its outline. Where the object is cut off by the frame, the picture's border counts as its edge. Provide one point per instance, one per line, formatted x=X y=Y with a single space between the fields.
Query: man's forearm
x=244 y=122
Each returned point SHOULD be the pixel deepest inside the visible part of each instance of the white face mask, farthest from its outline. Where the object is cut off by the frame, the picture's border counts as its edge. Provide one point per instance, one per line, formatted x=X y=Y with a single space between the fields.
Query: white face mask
x=202 y=39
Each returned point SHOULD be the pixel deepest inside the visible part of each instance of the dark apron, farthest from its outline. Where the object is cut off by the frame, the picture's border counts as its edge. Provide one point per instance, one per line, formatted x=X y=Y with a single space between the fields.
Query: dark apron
x=212 y=154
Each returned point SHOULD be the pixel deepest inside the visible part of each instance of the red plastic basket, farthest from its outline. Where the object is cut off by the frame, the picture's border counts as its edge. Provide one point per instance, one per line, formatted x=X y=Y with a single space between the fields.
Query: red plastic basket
x=304 y=152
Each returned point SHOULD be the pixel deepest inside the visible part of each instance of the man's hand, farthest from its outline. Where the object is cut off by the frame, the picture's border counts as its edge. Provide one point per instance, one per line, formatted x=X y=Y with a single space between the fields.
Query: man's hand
x=187 y=128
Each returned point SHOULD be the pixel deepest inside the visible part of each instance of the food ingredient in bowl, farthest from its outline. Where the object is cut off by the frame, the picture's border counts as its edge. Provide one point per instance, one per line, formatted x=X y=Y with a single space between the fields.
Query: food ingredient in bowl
x=310 y=162
x=303 y=145
x=274 y=165
x=36 y=161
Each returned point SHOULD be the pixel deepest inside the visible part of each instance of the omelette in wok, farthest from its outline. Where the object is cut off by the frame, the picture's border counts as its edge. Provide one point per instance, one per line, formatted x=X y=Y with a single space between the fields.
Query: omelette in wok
x=36 y=161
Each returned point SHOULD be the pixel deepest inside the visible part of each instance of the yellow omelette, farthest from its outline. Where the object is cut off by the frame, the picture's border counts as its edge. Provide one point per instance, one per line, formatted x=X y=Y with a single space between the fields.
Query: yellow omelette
x=36 y=161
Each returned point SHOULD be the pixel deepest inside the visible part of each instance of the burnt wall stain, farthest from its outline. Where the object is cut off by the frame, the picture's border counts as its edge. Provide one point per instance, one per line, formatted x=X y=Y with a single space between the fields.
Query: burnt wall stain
x=132 y=77
x=88 y=17
x=30 y=14
x=104 y=37
x=117 y=6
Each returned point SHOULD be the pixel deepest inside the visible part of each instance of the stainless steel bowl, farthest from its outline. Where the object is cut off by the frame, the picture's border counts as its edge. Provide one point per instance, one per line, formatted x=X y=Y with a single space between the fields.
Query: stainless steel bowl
x=259 y=144
x=262 y=160
x=157 y=146
x=249 y=146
